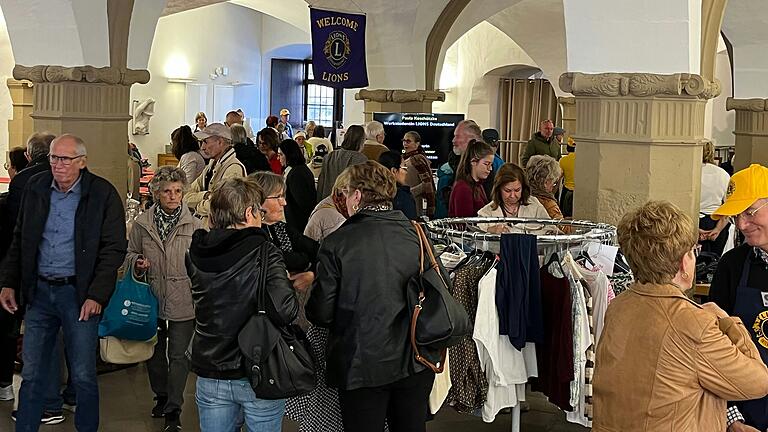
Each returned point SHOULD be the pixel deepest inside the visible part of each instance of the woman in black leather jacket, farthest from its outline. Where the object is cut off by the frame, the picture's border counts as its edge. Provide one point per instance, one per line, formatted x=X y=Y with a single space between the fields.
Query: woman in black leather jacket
x=359 y=294
x=224 y=268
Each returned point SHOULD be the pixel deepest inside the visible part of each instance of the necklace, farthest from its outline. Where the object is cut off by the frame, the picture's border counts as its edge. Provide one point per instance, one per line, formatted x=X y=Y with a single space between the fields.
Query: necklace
x=507 y=211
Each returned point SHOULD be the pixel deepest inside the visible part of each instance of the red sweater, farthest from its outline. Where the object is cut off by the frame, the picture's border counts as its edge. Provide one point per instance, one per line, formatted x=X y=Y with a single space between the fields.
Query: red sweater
x=274 y=163
x=466 y=199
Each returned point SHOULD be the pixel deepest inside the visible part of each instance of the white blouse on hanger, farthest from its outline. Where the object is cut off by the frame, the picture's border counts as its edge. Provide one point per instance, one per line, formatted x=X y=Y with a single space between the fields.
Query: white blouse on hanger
x=506 y=368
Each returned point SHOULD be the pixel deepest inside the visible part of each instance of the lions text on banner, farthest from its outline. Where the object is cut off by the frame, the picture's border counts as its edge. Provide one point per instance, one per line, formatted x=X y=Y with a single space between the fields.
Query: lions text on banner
x=338 y=49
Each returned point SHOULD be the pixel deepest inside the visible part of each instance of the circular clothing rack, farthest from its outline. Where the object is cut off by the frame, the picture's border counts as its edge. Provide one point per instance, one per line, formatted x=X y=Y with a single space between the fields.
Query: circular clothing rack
x=469 y=229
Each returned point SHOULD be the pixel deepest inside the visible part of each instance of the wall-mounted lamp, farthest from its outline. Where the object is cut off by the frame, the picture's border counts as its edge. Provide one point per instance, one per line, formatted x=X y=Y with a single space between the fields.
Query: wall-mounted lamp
x=181 y=80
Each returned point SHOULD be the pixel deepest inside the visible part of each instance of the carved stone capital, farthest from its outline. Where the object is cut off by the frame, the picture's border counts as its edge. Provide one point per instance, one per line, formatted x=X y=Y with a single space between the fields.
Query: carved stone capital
x=754 y=105
x=566 y=100
x=638 y=85
x=400 y=96
x=89 y=74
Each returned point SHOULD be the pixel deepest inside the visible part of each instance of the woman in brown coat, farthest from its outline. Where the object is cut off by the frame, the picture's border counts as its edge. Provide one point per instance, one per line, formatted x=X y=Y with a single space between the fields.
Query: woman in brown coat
x=664 y=362
x=156 y=246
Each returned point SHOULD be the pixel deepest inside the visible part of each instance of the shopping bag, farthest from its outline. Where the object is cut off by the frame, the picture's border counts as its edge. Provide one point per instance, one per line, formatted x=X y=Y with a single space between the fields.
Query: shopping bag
x=119 y=351
x=132 y=311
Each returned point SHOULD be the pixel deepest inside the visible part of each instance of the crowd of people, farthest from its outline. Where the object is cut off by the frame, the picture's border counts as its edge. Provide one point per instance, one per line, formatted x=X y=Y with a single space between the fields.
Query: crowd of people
x=285 y=207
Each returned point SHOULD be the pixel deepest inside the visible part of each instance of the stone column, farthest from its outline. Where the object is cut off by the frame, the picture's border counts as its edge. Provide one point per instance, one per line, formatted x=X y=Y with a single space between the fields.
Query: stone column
x=20 y=126
x=92 y=103
x=406 y=101
x=639 y=139
x=751 y=131
x=568 y=104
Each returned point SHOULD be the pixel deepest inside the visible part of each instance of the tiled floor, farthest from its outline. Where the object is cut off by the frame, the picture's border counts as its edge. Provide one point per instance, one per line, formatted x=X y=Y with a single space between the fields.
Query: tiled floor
x=126 y=401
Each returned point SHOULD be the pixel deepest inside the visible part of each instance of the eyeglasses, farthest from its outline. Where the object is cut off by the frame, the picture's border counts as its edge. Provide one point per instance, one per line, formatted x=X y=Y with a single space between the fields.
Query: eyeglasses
x=65 y=160
x=404 y=168
x=746 y=215
x=277 y=197
x=6 y=166
x=407 y=141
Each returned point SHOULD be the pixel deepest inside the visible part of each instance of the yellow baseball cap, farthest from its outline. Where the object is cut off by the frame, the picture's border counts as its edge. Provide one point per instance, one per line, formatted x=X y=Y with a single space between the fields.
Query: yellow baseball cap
x=746 y=187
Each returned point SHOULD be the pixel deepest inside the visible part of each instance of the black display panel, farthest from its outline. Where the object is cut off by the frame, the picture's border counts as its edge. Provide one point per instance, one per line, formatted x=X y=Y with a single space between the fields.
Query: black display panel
x=436 y=132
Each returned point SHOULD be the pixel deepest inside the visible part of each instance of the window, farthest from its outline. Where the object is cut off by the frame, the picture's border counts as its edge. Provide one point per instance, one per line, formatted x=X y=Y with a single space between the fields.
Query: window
x=320 y=101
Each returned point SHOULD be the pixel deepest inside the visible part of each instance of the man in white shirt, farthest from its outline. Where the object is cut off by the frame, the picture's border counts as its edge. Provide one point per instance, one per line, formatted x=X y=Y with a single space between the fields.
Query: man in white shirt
x=714 y=186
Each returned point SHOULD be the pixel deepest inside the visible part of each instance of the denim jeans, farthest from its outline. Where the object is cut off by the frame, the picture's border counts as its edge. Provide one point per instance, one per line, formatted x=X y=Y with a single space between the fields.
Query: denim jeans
x=55 y=398
x=55 y=307
x=168 y=368
x=220 y=402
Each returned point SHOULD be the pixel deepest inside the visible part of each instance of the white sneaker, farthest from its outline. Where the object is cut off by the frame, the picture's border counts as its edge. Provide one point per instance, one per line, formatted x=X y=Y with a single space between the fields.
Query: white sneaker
x=6 y=393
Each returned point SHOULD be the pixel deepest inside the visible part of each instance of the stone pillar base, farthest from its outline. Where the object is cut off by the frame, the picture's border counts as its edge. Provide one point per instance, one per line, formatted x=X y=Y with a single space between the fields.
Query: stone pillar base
x=639 y=139
x=751 y=131
x=407 y=101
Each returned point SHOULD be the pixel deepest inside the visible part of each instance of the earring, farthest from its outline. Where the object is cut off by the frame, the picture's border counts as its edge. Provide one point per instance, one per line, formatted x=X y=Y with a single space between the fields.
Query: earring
x=354 y=208
x=686 y=276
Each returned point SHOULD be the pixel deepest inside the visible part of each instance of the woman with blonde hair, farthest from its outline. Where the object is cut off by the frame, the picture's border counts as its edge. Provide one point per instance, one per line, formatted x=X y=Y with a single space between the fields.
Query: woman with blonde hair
x=714 y=185
x=359 y=297
x=663 y=361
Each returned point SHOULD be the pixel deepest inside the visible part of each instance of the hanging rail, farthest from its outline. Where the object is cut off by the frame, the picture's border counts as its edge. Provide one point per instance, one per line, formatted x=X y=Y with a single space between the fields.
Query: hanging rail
x=460 y=229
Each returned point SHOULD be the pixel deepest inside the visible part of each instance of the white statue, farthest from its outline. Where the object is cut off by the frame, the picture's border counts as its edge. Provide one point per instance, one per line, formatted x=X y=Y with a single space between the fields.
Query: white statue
x=141 y=116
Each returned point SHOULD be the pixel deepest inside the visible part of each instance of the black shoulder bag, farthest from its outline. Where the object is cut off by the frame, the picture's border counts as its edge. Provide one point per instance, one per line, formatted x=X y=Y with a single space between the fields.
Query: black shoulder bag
x=437 y=321
x=278 y=359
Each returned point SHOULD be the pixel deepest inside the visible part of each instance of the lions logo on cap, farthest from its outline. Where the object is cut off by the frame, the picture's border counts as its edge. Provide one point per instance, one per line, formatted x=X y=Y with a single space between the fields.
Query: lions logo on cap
x=731 y=189
x=337 y=49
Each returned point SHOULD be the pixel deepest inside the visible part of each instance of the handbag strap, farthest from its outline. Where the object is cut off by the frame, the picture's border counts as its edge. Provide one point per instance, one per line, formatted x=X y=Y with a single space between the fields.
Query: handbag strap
x=424 y=244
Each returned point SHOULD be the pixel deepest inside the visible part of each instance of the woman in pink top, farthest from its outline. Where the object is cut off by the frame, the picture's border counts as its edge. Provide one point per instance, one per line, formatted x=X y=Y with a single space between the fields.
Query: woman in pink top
x=468 y=195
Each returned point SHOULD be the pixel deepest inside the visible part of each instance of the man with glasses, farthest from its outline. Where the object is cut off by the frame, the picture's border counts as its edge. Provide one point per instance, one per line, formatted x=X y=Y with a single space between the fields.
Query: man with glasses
x=216 y=143
x=740 y=284
x=68 y=244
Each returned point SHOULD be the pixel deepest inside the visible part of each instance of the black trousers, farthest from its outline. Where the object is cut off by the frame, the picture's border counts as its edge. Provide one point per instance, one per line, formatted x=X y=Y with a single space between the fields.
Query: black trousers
x=8 y=336
x=566 y=202
x=717 y=245
x=404 y=404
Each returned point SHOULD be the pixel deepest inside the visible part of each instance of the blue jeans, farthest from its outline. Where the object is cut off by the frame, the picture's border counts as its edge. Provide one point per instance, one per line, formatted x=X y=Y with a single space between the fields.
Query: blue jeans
x=55 y=307
x=220 y=402
x=54 y=399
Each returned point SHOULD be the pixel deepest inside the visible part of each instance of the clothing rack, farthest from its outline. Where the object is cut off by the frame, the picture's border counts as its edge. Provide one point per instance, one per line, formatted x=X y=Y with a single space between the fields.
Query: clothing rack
x=465 y=230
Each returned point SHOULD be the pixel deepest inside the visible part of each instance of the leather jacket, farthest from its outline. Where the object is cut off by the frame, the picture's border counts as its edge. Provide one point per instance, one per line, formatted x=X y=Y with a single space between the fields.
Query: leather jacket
x=224 y=267
x=359 y=294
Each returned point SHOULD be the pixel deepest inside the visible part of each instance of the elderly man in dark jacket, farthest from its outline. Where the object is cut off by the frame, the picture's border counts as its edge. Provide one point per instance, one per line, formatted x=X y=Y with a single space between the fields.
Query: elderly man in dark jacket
x=67 y=246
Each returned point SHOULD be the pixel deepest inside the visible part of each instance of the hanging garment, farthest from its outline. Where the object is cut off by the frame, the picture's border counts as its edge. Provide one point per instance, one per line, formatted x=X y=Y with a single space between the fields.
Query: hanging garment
x=582 y=343
x=506 y=368
x=602 y=294
x=555 y=353
x=620 y=282
x=518 y=292
x=750 y=308
x=469 y=386
x=440 y=387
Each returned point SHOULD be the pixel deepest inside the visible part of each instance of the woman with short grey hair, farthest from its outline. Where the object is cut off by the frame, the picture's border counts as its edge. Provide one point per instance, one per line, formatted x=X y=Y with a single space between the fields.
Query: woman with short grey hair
x=543 y=174
x=157 y=244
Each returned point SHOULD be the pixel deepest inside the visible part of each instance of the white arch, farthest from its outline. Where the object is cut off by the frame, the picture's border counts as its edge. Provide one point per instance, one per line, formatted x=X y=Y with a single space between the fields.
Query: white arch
x=746 y=25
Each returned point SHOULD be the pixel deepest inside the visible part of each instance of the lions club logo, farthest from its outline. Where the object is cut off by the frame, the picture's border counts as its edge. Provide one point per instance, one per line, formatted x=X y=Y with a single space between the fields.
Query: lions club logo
x=731 y=189
x=759 y=328
x=337 y=49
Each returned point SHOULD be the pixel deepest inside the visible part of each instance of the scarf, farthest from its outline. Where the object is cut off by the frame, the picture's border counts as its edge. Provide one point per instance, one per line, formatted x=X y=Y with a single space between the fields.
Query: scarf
x=377 y=208
x=761 y=254
x=166 y=222
x=538 y=192
x=279 y=235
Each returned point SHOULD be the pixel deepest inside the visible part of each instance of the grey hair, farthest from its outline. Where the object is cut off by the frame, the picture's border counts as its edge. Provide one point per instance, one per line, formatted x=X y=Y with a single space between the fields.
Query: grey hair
x=269 y=182
x=79 y=143
x=39 y=144
x=231 y=199
x=238 y=134
x=373 y=129
x=542 y=168
x=167 y=174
